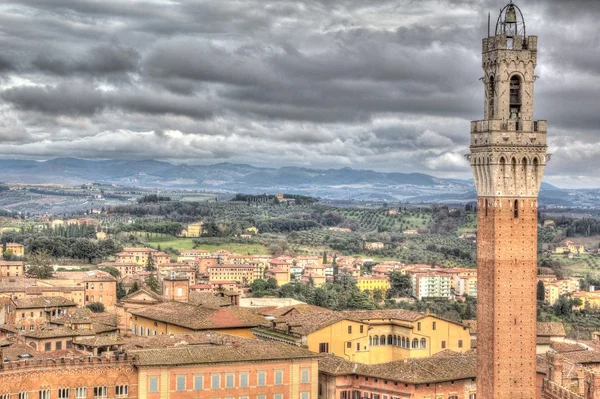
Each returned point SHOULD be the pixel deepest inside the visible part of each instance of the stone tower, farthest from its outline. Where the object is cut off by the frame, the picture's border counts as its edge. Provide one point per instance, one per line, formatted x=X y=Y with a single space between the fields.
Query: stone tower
x=508 y=157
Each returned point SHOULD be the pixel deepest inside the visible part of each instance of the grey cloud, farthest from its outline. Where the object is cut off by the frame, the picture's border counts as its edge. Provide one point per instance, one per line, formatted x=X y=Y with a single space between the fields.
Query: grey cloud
x=382 y=84
x=99 y=60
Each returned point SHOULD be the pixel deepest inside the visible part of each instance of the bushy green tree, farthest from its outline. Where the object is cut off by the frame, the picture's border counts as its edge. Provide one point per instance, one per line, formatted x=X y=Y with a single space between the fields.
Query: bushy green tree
x=39 y=265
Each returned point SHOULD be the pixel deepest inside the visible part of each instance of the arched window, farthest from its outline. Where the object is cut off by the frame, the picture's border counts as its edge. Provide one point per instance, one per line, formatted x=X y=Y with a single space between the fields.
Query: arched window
x=375 y=340
x=415 y=343
x=33 y=345
x=491 y=95
x=423 y=343
x=515 y=97
x=395 y=343
x=516 y=209
x=382 y=340
x=370 y=341
x=390 y=340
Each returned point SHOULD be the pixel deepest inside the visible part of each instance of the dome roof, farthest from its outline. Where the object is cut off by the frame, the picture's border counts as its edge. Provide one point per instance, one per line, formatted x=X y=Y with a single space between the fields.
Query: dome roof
x=510 y=21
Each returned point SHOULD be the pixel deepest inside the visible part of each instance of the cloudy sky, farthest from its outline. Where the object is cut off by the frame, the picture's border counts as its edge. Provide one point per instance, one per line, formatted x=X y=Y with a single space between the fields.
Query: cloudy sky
x=378 y=84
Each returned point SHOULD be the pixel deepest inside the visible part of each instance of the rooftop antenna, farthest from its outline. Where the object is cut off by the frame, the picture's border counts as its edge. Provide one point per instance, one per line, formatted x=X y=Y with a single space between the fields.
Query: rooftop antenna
x=489 y=16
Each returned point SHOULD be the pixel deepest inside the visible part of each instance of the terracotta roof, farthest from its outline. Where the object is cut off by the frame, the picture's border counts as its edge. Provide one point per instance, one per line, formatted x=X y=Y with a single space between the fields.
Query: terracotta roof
x=454 y=366
x=310 y=322
x=398 y=314
x=100 y=340
x=551 y=329
x=173 y=340
x=42 y=302
x=152 y=294
x=303 y=309
x=57 y=332
x=564 y=347
x=199 y=317
x=92 y=275
x=207 y=299
x=239 y=351
x=11 y=263
x=583 y=357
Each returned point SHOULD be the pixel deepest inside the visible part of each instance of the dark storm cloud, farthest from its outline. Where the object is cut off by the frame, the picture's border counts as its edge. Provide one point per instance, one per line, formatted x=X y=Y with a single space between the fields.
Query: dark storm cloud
x=382 y=84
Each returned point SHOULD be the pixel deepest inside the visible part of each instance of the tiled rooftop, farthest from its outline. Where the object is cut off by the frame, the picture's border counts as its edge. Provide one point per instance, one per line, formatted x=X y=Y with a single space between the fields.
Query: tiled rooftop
x=238 y=351
x=199 y=317
x=454 y=366
x=42 y=302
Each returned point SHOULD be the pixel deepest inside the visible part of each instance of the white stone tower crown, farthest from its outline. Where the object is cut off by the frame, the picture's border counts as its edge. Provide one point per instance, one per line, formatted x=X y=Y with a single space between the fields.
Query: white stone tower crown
x=508 y=148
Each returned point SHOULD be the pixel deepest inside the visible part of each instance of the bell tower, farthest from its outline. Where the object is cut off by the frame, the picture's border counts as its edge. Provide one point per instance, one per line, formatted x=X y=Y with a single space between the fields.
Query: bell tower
x=508 y=157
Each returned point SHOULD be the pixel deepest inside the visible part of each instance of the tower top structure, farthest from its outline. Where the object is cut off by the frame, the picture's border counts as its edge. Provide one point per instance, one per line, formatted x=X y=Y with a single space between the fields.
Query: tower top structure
x=511 y=22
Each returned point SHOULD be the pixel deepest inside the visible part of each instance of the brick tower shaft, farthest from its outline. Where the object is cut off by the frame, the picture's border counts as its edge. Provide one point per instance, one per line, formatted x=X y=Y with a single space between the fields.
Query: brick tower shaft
x=508 y=157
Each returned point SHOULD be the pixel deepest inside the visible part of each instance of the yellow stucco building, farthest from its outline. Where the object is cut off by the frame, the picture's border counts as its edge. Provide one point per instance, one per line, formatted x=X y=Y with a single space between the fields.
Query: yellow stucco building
x=369 y=336
x=373 y=283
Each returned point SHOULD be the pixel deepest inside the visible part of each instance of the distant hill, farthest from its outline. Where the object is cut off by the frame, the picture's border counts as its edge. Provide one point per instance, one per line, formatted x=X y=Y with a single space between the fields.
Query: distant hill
x=345 y=183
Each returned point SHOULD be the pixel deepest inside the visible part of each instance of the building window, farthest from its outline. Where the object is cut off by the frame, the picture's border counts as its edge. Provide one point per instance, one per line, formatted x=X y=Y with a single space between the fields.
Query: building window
x=453 y=397
x=423 y=343
x=100 y=298
x=472 y=396
x=419 y=326
x=215 y=381
x=415 y=343
x=100 y=392
x=278 y=377
x=122 y=391
x=348 y=344
x=434 y=325
x=244 y=377
x=361 y=328
x=80 y=393
x=323 y=347
x=180 y=383
x=58 y=345
x=349 y=329
x=460 y=345
x=278 y=396
x=63 y=393
x=69 y=344
x=31 y=327
x=261 y=396
x=198 y=382
x=44 y=394
x=48 y=346
x=304 y=376
x=23 y=395
x=516 y=210
x=304 y=395
x=101 y=287
x=261 y=379
x=390 y=340
x=229 y=381
x=153 y=384
x=443 y=344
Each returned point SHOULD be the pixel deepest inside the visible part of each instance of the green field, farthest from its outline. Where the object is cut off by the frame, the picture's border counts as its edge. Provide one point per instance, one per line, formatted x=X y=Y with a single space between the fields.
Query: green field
x=166 y=241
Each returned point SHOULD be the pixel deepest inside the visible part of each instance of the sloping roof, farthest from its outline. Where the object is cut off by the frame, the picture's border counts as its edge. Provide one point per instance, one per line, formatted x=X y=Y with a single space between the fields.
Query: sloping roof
x=551 y=329
x=207 y=299
x=311 y=322
x=57 y=332
x=239 y=351
x=92 y=276
x=42 y=302
x=199 y=317
x=100 y=340
x=173 y=340
x=397 y=314
x=454 y=366
x=564 y=347
x=132 y=297
x=293 y=309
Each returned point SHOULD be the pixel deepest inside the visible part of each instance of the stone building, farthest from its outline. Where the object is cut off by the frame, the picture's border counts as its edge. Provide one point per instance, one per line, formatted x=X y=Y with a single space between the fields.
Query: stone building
x=508 y=157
